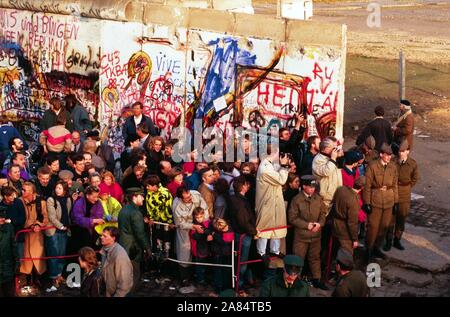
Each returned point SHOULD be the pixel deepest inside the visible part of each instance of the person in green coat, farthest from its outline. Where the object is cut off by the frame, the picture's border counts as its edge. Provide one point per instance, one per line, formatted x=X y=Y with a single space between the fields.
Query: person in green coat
x=132 y=232
x=8 y=256
x=286 y=283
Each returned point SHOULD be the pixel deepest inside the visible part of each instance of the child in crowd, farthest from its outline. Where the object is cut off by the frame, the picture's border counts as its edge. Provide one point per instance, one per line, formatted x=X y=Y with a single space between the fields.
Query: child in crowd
x=200 y=238
x=111 y=209
x=221 y=249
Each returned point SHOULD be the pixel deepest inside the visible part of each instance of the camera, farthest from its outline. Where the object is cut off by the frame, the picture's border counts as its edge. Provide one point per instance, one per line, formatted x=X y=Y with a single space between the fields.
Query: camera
x=288 y=155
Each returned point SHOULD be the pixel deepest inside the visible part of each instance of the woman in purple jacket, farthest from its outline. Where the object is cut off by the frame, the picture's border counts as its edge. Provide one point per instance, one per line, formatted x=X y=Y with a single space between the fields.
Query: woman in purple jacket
x=86 y=214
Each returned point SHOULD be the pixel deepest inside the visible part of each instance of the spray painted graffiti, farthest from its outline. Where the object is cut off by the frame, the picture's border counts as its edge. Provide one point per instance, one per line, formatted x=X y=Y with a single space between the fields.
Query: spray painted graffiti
x=178 y=76
x=41 y=56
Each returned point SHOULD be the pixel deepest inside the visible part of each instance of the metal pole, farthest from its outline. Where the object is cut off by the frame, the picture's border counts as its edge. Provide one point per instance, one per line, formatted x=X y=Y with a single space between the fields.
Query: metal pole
x=278 y=8
x=402 y=76
x=232 y=264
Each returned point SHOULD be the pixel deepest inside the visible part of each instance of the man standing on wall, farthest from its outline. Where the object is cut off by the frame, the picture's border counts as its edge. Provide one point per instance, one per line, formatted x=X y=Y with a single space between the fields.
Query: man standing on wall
x=136 y=119
x=50 y=115
x=79 y=115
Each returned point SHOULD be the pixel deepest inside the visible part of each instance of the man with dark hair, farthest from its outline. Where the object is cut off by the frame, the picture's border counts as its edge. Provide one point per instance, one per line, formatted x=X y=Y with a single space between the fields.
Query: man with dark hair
x=137 y=118
x=132 y=232
x=131 y=143
x=50 y=115
x=52 y=162
x=351 y=283
x=135 y=179
x=15 y=145
x=168 y=152
x=86 y=214
x=19 y=159
x=379 y=128
x=345 y=214
x=117 y=269
x=78 y=114
x=9 y=258
x=159 y=208
x=79 y=173
x=289 y=141
x=14 y=179
x=313 y=147
x=15 y=210
x=193 y=181
x=144 y=135
x=206 y=189
x=8 y=132
x=36 y=219
x=243 y=222
x=43 y=187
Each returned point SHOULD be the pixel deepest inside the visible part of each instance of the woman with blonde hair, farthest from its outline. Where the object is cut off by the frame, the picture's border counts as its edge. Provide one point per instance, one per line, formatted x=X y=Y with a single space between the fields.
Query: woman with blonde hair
x=114 y=188
x=155 y=154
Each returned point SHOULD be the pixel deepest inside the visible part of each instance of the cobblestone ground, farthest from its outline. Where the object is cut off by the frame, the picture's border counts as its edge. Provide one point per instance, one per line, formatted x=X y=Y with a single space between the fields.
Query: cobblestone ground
x=435 y=219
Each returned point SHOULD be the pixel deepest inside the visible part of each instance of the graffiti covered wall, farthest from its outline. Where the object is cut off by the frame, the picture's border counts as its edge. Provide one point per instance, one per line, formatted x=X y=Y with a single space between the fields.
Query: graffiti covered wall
x=179 y=70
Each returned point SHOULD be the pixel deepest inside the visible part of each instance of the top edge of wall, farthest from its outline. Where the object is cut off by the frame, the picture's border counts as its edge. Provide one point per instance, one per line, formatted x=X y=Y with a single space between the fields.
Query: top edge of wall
x=312 y=33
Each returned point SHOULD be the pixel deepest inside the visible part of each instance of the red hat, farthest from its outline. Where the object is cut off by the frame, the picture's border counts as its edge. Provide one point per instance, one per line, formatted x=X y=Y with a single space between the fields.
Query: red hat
x=104 y=189
x=189 y=167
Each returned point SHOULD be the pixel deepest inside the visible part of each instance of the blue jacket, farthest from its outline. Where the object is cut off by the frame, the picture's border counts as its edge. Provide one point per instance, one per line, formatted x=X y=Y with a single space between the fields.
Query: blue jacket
x=16 y=212
x=193 y=181
x=80 y=118
x=6 y=133
x=129 y=127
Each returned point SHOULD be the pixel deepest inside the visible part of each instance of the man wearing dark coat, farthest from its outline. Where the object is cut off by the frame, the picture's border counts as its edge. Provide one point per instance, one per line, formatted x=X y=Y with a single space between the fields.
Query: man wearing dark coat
x=132 y=232
x=286 y=283
x=345 y=214
x=379 y=128
x=351 y=282
x=138 y=118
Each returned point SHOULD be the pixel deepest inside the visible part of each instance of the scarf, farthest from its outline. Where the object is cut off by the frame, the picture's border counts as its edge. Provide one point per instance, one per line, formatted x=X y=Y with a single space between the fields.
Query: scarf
x=403 y=117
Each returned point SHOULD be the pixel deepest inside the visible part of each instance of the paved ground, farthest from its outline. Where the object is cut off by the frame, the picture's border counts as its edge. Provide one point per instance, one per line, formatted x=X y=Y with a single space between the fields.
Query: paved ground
x=422 y=270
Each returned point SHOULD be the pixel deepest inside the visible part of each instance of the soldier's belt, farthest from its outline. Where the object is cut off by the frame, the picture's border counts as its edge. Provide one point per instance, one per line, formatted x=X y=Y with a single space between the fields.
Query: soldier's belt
x=383 y=188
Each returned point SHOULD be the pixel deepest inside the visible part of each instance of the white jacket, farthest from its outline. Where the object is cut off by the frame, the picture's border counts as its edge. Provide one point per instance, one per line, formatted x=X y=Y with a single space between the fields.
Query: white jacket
x=328 y=175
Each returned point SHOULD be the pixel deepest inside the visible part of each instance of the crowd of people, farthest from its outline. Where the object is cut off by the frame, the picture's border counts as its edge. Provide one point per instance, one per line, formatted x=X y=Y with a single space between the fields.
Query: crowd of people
x=117 y=214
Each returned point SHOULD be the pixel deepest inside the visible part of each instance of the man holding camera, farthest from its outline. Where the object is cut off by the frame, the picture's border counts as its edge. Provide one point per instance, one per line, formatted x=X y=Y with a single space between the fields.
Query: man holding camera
x=270 y=207
x=326 y=171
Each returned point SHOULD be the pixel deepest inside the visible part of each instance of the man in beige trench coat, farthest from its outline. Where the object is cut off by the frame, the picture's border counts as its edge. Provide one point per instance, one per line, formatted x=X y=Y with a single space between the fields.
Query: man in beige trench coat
x=270 y=207
x=36 y=218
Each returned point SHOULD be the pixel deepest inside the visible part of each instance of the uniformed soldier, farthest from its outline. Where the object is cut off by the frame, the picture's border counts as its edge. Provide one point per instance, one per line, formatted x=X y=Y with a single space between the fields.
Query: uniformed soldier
x=408 y=175
x=380 y=194
x=351 y=283
x=132 y=232
x=345 y=214
x=287 y=283
x=307 y=214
